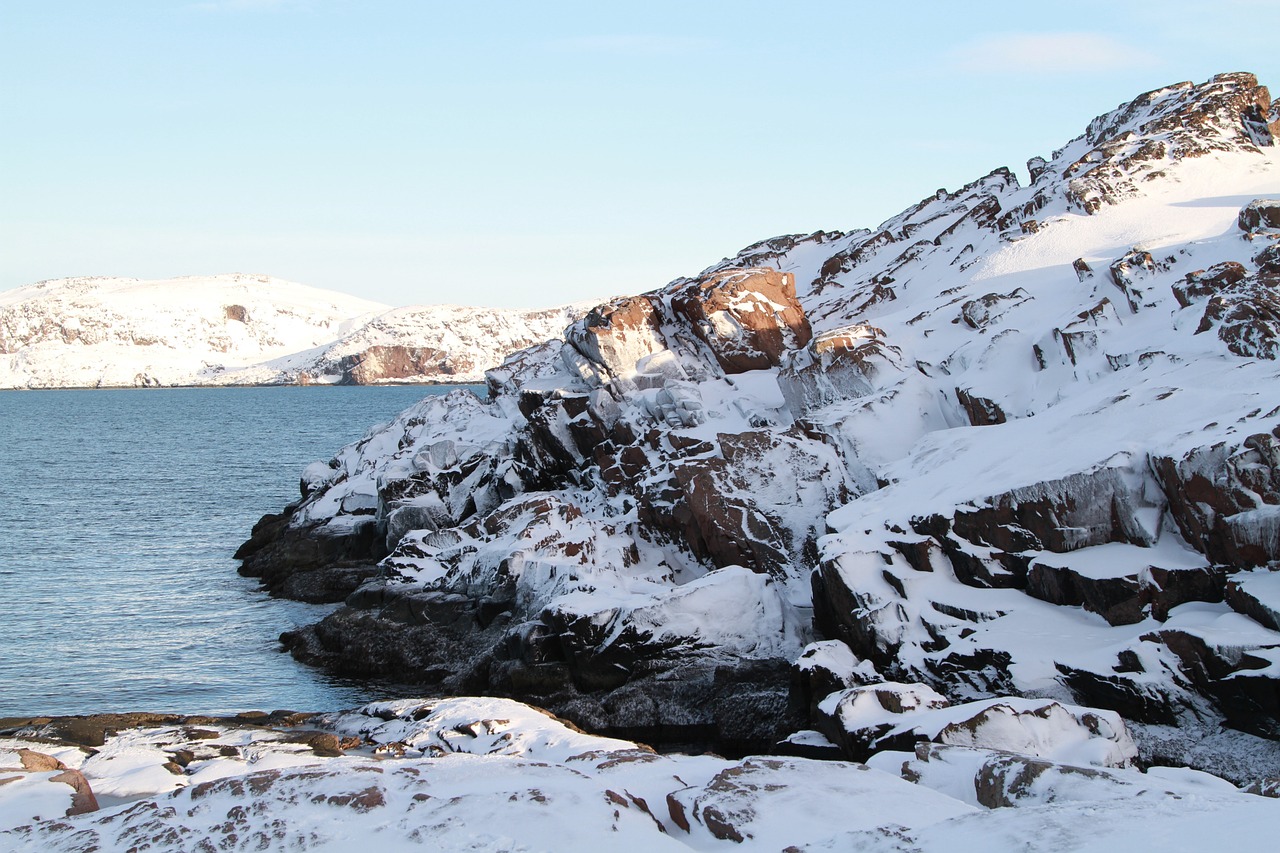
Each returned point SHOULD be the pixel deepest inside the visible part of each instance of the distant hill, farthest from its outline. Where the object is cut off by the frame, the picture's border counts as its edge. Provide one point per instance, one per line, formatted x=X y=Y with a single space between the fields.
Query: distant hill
x=246 y=330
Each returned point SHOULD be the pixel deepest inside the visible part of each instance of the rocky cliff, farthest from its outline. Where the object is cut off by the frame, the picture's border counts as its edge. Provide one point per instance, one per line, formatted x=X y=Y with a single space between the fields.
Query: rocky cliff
x=1016 y=441
x=246 y=330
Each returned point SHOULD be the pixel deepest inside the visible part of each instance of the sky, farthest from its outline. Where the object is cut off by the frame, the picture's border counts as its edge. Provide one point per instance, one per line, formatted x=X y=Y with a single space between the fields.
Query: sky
x=528 y=154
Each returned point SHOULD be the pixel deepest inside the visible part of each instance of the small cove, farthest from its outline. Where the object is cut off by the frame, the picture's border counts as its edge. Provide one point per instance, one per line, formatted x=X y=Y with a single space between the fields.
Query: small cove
x=119 y=513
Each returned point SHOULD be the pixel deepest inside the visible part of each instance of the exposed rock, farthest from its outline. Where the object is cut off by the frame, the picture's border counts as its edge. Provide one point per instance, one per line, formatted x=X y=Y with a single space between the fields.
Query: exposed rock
x=632 y=531
x=981 y=411
x=1130 y=273
x=1257 y=595
x=838 y=365
x=1203 y=284
x=866 y=720
x=1125 y=599
x=747 y=317
x=1261 y=214
x=980 y=312
x=1247 y=318
x=1224 y=498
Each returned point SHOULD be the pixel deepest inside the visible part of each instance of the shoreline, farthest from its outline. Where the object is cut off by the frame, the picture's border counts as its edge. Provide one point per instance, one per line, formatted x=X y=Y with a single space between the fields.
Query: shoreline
x=245 y=385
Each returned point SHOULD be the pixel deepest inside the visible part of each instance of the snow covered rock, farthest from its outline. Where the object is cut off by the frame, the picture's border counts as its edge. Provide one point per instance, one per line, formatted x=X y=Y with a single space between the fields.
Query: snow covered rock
x=1015 y=441
x=888 y=716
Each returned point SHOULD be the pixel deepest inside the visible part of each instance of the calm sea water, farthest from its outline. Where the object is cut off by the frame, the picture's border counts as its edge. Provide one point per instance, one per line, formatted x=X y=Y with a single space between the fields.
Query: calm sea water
x=119 y=513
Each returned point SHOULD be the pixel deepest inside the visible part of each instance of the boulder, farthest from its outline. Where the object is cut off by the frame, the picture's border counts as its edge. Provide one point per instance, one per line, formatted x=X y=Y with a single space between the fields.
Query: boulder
x=1225 y=498
x=1247 y=318
x=891 y=716
x=1203 y=284
x=747 y=317
x=618 y=334
x=842 y=364
x=1261 y=214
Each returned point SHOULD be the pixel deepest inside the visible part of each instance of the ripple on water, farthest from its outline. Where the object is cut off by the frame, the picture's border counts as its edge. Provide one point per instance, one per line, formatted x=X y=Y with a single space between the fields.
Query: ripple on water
x=121 y=512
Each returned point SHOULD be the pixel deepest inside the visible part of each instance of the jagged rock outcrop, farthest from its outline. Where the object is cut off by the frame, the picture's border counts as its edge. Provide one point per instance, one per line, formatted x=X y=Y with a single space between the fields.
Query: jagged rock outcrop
x=983 y=448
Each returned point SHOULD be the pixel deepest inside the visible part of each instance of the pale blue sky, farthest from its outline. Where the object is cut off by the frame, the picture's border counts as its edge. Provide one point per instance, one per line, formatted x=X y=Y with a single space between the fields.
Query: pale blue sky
x=526 y=154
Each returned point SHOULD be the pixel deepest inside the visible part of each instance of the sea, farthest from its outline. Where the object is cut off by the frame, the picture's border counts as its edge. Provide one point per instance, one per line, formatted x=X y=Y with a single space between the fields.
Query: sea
x=119 y=514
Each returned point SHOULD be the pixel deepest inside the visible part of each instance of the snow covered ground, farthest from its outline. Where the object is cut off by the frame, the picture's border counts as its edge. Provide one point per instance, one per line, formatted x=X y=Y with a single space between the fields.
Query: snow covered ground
x=492 y=774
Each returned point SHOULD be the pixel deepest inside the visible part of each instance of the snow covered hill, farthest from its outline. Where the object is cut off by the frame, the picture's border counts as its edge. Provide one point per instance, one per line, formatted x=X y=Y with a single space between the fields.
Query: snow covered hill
x=243 y=329
x=1014 y=442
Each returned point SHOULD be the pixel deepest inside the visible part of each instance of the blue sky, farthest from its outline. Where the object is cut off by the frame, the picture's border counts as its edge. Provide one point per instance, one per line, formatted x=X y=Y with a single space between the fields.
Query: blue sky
x=528 y=154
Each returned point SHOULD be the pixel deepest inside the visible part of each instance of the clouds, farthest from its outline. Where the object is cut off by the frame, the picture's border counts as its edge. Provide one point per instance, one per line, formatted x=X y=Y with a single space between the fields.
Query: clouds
x=1048 y=53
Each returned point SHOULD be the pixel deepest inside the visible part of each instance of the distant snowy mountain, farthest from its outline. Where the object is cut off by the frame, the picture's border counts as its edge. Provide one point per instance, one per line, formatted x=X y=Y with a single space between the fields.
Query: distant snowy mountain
x=245 y=330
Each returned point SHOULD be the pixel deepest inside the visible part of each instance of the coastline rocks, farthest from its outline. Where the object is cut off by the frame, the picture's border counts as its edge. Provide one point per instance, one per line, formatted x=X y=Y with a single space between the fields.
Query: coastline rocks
x=318 y=564
x=890 y=716
x=35 y=784
x=941 y=446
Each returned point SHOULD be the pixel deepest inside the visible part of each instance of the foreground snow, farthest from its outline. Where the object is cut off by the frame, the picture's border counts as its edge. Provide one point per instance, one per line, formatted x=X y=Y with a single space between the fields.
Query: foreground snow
x=493 y=774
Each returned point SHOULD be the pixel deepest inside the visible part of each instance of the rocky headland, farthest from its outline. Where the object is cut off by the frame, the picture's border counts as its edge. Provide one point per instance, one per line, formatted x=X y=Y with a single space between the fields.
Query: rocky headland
x=970 y=522
x=1016 y=441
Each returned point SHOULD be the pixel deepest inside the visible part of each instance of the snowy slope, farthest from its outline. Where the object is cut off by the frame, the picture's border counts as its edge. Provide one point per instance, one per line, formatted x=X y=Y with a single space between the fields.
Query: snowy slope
x=1014 y=441
x=242 y=329
x=494 y=775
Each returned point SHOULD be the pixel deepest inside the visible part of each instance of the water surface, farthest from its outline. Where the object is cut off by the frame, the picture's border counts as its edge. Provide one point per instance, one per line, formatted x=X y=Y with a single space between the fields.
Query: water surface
x=119 y=513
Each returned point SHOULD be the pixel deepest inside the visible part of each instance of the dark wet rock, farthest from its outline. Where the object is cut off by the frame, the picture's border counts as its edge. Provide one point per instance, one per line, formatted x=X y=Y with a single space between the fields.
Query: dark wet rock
x=1224 y=498
x=311 y=563
x=93 y=730
x=1256 y=595
x=1125 y=599
x=1133 y=699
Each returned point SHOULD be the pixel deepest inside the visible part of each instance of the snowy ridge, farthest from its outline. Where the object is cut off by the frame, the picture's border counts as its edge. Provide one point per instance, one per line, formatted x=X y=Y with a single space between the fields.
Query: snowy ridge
x=1040 y=424
x=246 y=330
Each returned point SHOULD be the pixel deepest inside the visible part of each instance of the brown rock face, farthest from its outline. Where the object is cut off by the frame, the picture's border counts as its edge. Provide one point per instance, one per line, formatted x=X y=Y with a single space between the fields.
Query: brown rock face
x=748 y=317
x=1222 y=498
x=1260 y=214
x=618 y=333
x=1229 y=112
x=380 y=363
x=1247 y=318
x=1202 y=284
x=83 y=800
